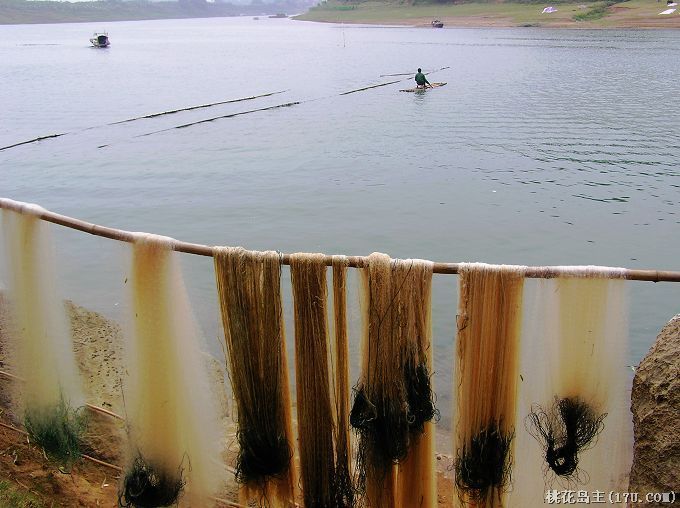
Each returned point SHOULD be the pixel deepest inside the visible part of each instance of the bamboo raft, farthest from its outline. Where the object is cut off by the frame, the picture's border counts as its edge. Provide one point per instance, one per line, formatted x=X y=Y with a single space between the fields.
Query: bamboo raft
x=432 y=85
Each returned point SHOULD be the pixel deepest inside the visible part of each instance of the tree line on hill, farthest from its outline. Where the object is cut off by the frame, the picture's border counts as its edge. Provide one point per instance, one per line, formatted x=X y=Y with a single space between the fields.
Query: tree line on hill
x=45 y=11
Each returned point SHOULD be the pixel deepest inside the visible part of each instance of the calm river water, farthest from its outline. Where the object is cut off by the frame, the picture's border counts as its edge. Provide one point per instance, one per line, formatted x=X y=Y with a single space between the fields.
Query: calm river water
x=545 y=147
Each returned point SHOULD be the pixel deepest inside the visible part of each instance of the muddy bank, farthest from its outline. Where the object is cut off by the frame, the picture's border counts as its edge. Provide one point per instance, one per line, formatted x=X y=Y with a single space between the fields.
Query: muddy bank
x=97 y=343
x=587 y=15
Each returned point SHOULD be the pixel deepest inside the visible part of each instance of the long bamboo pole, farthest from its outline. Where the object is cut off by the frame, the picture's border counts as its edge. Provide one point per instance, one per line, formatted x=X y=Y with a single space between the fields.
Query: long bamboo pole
x=534 y=272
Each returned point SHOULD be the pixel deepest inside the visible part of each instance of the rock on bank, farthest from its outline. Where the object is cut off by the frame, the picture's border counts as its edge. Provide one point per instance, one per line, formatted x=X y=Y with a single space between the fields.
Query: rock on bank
x=655 y=404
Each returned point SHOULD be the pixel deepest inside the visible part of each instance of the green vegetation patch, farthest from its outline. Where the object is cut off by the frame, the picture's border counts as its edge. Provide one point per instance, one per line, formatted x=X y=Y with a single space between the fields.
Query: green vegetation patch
x=58 y=430
x=371 y=11
x=597 y=11
x=12 y=496
x=335 y=6
x=484 y=13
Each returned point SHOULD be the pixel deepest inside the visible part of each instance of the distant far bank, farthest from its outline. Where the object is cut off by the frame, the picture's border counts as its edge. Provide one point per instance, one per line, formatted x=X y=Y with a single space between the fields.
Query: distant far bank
x=579 y=14
x=528 y=13
x=37 y=11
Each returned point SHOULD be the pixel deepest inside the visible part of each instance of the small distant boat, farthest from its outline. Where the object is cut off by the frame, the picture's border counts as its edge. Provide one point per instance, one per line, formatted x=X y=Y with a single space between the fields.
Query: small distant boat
x=437 y=24
x=100 y=40
x=279 y=15
x=256 y=18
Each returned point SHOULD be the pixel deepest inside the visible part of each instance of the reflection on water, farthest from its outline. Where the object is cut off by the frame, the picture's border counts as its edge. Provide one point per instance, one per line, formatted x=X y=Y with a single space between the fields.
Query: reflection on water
x=545 y=147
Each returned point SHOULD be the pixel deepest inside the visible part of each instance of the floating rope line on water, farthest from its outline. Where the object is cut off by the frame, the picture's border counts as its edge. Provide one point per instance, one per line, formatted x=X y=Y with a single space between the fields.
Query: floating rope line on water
x=190 y=108
x=231 y=115
x=411 y=74
x=33 y=140
x=276 y=107
x=532 y=272
x=285 y=105
x=152 y=115
x=369 y=87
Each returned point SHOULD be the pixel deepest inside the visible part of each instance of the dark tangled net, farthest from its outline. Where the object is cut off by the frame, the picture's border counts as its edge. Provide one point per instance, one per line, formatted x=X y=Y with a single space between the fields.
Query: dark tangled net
x=484 y=464
x=419 y=396
x=383 y=430
x=262 y=455
x=343 y=488
x=146 y=486
x=249 y=288
x=394 y=400
x=568 y=428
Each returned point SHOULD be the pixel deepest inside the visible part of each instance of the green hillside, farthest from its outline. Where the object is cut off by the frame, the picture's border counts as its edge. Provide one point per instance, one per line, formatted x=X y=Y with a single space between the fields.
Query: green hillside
x=22 y=11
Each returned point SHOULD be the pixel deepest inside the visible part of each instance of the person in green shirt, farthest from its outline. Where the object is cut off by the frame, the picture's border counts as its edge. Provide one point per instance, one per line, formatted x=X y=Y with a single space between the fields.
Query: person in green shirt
x=421 y=80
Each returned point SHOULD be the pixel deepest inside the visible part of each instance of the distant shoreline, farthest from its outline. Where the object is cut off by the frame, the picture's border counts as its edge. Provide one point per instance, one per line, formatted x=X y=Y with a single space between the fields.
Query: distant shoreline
x=20 y=12
x=633 y=14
